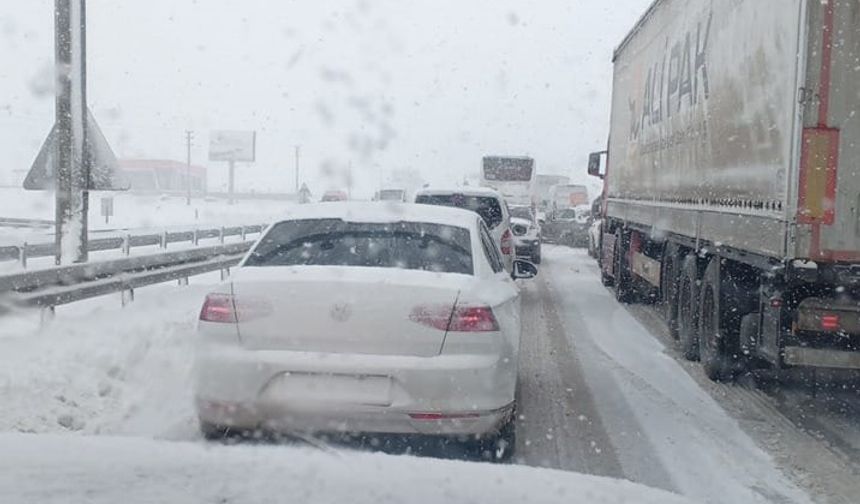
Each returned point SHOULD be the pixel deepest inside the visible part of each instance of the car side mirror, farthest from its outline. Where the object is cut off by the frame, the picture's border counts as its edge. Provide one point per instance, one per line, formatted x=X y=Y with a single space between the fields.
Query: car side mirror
x=596 y=165
x=524 y=270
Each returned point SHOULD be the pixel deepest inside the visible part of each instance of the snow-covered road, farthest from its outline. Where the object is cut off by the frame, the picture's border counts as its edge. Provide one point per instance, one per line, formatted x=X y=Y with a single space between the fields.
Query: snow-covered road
x=620 y=405
x=600 y=394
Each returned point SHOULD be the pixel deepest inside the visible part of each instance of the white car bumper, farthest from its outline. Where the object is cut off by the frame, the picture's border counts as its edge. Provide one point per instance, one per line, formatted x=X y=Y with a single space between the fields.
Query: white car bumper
x=310 y=392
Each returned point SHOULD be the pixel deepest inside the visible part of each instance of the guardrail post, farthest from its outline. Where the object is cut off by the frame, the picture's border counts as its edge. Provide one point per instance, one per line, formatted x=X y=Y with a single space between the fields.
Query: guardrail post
x=225 y=272
x=22 y=255
x=183 y=282
x=126 y=244
x=243 y=233
x=221 y=234
x=46 y=315
x=127 y=296
x=195 y=240
x=164 y=240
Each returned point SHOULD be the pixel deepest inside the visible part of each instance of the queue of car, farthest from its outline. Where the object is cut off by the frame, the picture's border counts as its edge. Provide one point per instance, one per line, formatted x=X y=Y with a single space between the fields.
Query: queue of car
x=361 y=319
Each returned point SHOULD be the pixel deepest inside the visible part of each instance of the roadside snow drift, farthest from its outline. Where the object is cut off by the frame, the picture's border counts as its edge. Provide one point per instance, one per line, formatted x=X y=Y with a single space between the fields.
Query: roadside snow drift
x=62 y=469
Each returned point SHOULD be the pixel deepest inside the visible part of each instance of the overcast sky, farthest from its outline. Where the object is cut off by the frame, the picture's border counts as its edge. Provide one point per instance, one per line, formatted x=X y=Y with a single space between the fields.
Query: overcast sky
x=384 y=84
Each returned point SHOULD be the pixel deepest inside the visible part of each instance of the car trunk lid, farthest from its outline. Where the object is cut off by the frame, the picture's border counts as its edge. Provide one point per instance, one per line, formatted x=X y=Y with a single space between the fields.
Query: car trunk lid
x=342 y=309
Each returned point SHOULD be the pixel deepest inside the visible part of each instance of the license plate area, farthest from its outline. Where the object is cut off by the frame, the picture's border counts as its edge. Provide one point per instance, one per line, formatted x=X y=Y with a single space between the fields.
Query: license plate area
x=328 y=389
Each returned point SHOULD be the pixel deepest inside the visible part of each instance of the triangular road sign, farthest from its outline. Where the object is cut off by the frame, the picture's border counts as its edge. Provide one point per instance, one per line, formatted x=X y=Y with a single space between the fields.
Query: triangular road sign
x=104 y=168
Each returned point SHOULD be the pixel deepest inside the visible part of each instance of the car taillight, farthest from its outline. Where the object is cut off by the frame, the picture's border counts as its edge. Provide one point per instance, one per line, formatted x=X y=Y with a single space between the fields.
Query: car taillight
x=830 y=322
x=474 y=319
x=462 y=319
x=219 y=308
x=507 y=242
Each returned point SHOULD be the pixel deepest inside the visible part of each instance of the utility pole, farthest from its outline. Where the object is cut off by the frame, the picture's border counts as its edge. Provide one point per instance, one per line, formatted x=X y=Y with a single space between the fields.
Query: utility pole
x=349 y=180
x=189 y=139
x=231 y=184
x=71 y=159
x=298 y=154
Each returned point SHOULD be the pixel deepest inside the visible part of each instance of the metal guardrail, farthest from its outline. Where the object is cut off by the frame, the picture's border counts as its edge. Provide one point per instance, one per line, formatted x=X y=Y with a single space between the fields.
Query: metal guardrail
x=125 y=243
x=25 y=223
x=62 y=285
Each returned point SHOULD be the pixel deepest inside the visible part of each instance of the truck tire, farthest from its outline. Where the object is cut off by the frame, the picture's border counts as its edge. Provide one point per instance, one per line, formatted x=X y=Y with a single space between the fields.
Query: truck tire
x=669 y=287
x=715 y=347
x=688 y=308
x=624 y=288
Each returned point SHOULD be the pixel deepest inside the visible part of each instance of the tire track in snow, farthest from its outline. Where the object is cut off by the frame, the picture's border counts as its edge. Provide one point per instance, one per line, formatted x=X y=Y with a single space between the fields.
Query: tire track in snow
x=559 y=425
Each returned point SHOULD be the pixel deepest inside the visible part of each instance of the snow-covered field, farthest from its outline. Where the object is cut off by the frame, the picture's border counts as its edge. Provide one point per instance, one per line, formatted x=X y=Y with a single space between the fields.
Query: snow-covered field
x=133 y=211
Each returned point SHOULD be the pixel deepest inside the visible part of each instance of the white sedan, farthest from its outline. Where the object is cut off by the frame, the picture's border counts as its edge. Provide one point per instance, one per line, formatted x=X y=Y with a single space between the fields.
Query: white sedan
x=358 y=318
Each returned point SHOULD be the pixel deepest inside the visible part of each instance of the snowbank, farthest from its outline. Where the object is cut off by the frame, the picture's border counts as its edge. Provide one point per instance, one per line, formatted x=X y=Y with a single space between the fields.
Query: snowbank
x=99 y=368
x=62 y=469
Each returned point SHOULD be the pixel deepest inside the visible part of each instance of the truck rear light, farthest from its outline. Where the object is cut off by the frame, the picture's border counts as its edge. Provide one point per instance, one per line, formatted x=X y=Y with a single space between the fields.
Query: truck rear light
x=219 y=308
x=507 y=244
x=461 y=319
x=830 y=322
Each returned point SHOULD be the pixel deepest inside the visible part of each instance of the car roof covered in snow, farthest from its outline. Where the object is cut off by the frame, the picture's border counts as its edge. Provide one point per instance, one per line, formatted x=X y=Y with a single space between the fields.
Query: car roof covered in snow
x=464 y=190
x=383 y=212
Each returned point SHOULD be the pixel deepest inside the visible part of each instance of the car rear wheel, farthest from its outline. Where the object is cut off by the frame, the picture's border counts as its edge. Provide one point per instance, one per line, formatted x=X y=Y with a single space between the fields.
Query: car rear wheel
x=214 y=432
x=500 y=447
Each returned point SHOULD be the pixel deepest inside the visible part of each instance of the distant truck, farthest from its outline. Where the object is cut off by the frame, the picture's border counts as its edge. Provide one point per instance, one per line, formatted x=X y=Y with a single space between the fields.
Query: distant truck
x=732 y=195
x=512 y=176
x=567 y=196
x=543 y=186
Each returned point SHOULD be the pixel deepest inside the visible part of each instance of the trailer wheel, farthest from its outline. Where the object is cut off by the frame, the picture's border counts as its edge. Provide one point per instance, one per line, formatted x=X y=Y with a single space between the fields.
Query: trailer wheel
x=715 y=349
x=669 y=287
x=624 y=288
x=688 y=297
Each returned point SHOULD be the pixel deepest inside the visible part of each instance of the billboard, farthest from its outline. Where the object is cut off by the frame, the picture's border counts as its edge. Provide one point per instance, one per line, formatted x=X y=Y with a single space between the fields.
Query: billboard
x=233 y=146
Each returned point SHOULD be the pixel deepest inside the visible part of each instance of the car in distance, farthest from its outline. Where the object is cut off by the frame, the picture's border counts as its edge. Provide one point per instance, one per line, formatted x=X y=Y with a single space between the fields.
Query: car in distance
x=527 y=233
x=359 y=318
x=486 y=202
x=332 y=196
x=398 y=195
x=568 y=227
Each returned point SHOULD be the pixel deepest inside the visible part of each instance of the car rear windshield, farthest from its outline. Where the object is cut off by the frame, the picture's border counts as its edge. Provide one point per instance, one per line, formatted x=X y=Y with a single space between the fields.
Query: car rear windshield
x=333 y=242
x=487 y=207
x=522 y=213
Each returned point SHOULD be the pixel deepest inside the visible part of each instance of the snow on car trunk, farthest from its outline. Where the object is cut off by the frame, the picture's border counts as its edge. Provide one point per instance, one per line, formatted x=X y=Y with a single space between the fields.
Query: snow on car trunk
x=344 y=309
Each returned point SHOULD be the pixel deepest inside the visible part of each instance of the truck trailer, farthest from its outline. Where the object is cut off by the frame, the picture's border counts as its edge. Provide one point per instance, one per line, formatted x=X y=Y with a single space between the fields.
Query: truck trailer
x=731 y=194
